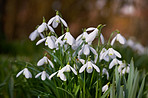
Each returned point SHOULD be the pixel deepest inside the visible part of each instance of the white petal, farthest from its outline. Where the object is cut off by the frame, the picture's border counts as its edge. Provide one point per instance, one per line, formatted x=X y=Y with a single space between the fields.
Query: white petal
x=55 y=24
x=79 y=37
x=63 y=21
x=113 y=62
x=41 y=62
x=62 y=77
x=89 y=67
x=102 y=38
x=127 y=69
x=120 y=67
x=82 y=61
x=42 y=36
x=43 y=76
x=33 y=35
x=51 y=20
x=50 y=63
x=117 y=53
x=50 y=42
x=105 y=88
x=38 y=75
x=90 y=29
x=86 y=49
x=73 y=70
x=59 y=39
x=26 y=73
x=69 y=38
x=20 y=73
x=97 y=69
x=51 y=29
x=52 y=75
x=40 y=41
x=121 y=39
x=94 y=51
x=113 y=41
x=82 y=68
x=42 y=27
x=92 y=36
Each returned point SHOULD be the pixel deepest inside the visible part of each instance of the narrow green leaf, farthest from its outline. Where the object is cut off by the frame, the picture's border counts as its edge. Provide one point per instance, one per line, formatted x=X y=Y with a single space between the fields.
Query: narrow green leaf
x=117 y=81
x=66 y=91
x=141 y=88
x=11 y=86
x=55 y=57
x=121 y=92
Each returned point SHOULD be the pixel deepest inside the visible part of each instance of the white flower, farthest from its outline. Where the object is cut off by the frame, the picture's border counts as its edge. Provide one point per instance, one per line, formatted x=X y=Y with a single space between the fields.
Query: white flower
x=44 y=60
x=119 y=38
x=114 y=62
x=56 y=20
x=105 y=88
x=68 y=38
x=49 y=41
x=111 y=53
x=103 y=55
x=93 y=35
x=104 y=71
x=121 y=66
x=59 y=74
x=126 y=69
x=25 y=72
x=86 y=51
x=89 y=65
x=68 y=68
x=43 y=75
x=35 y=34
x=42 y=27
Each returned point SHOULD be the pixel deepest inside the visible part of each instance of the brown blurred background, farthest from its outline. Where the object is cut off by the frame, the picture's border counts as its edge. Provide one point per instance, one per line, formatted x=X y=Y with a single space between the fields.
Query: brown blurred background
x=18 y=18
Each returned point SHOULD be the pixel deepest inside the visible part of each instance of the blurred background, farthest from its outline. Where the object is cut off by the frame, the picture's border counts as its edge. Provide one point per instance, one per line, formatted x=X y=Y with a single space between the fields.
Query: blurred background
x=18 y=18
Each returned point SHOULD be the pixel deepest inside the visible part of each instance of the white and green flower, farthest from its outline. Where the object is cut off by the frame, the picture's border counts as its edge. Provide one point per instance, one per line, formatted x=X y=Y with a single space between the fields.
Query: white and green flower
x=25 y=72
x=56 y=20
x=89 y=67
x=118 y=38
x=43 y=75
x=44 y=60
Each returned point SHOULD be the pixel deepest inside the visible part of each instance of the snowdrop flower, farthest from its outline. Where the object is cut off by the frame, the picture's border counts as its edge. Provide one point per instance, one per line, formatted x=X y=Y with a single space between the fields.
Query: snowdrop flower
x=104 y=71
x=25 y=72
x=44 y=26
x=49 y=41
x=103 y=56
x=68 y=68
x=86 y=51
x=130 y=43
x=35 y=34
x=43 y=75
x=121 y=66
x=89 y=67
x=93 y=35
x=56 y=20
x=67 y=37
x=105 y=87
x=44 y=60
x=59 y=74
x=126 y=69
x=118 y=38
x=111 y=53
x=114 y=62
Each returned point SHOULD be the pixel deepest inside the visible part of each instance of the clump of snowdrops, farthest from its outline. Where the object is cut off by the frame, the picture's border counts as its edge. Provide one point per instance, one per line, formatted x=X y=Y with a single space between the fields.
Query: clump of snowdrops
x=76 y=68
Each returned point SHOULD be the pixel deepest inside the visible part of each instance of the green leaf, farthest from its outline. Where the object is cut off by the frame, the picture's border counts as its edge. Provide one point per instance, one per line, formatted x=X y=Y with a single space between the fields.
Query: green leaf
x=54 y=56
x=66 y=91
x=11 y=86
x=76 y=52
x=141 y=88
x=117 y=81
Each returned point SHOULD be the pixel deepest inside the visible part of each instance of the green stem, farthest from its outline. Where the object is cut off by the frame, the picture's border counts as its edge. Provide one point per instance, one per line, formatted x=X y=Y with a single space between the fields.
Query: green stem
x=97 y=89
x=91 y=80
x=84 y=86
x=100 y=84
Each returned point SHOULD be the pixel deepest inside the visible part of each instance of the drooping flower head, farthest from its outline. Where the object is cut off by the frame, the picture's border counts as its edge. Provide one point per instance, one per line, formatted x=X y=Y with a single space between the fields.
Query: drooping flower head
x=118 y=38
x=25 y=72
x=43 y=75
x=56 y=20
